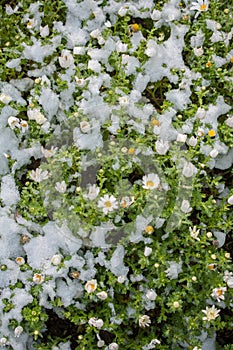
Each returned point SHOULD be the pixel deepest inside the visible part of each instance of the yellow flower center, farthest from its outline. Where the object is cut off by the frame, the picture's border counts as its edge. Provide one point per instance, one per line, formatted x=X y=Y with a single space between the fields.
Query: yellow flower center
x=92 y=286
x=123 y=204
x=219 y=292
x=149 y=229
x=108 y=204
x=150 y=183
x=131 y=151
x=203 y=7
x=155 y=122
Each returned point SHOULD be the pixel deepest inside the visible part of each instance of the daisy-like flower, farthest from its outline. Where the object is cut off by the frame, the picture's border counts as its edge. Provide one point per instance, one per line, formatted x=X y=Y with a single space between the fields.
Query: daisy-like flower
x=18 y=331
x=199 y=6
x=211 y=313
x=185 y=206
x=13 y=122
x=162 y=147
x=56 y=259
x=150 y=181
x=107 y=203
x=4 y=98
x=24 y=125
x=218 y=293
x=35 y=114
x=123 y=101
x=48 y=153
x=38 y=175
x=38 y=278
x=96 y=322
x=126 y=201
x=194 y=233
x=91 y=286
x=20 y=260
x=102 y=295
x=144 y=321
x=93 y=192
x=61 y=186
x=151 y=295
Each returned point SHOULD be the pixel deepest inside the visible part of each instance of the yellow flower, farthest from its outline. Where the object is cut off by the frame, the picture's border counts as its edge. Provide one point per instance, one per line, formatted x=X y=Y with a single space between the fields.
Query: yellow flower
x=208 y=64
x=149 y=229
x=155 y=122
x=134 y=28
x=211 y=133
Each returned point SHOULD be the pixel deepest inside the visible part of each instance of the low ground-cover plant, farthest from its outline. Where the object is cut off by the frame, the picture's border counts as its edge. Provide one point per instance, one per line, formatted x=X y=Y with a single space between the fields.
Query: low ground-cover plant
x=116 y=175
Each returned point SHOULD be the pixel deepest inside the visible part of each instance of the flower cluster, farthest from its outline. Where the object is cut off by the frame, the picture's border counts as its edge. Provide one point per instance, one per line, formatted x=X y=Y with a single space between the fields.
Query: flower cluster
x=116 y=154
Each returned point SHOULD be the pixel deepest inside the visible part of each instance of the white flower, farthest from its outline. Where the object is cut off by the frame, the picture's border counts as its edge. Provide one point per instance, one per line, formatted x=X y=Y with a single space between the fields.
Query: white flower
x=95 y=33
x=181 y=138
x=107 y=203
x=56 y=259
x=229 y=122
x=162 y=147
x=121 y=279
x=13 y=122
x=123 y=101
x=66 y=59
x=100 y=343
x=198 y=51
x=201 y=112
x=18 y=331
x=211 y=313
x=38 y=175
x=113 y=346
x=96 y=322
x=91 y=286
x=23 y=125
x=151 y=295
x=144 y=321
x=192 y=141
x=35 y=114
x=93 y=192
x=189 y=169
x=218 y=293
x=38 y=278
x=150 y=181
x=230 y=200
x=44 y=31
x=20 y=260
x=61 y=186
x=199 y=6
x=108 y=24
x=4 y=98
x=102 y=295
x=194 y=233
x=185 y=206
x=80 y=82
x=32 y=23
x=228 y=278
x=147 y=251
x=85 y=127
x=176 y=304
x=3 y=341
x=126 y=201
x=213 y=153
x=48 y=153
x=154 y=342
